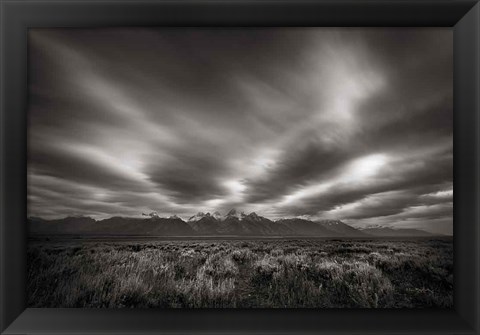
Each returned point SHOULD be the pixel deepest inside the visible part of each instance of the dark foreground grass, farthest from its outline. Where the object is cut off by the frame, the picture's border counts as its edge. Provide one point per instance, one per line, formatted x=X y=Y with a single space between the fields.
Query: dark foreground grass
x=293 y=273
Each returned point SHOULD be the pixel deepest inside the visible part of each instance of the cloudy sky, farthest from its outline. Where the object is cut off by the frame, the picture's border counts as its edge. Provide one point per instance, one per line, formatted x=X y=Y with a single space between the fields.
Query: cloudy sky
x=346 y=123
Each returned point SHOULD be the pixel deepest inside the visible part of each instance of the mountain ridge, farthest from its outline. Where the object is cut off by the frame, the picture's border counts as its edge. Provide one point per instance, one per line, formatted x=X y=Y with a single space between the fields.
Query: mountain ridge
x=207 y=224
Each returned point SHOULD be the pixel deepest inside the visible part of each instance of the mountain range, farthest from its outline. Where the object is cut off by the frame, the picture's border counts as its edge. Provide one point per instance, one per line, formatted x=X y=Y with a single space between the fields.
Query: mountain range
x=234 y=223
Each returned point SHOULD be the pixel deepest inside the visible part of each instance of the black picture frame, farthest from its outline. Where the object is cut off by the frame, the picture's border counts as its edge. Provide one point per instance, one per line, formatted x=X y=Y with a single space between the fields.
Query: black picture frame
x=17 y=16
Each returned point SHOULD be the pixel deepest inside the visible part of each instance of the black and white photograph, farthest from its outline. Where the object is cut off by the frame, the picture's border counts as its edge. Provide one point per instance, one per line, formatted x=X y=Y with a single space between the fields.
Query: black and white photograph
x=240 y=167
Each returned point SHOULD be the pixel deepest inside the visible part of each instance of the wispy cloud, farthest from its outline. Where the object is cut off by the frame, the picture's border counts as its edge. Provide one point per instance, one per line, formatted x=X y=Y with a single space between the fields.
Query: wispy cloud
x=351 y=123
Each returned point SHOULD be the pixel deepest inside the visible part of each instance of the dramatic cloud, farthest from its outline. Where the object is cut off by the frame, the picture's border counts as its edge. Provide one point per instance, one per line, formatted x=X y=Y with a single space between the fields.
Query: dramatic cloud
x=347 y=123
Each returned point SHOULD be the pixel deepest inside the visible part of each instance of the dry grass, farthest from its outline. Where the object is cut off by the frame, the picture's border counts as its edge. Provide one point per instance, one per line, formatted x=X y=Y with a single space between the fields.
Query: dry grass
x=193 y=274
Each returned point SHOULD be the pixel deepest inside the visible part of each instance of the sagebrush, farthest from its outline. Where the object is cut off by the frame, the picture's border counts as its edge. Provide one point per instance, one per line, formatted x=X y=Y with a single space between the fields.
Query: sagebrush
x=265 y=274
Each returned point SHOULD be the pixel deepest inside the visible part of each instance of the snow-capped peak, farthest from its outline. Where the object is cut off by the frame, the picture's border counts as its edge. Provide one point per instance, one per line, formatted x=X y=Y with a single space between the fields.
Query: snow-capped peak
x=234 y=214
x=152 y=215
x=373 y=226
x=304 y=217
x=217 y=215
x=254 y=216
x=331 y=222
x=197 y=217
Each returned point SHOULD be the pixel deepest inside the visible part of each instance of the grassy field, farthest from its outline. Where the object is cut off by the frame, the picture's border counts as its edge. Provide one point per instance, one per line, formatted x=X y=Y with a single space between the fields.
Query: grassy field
x=265 y=274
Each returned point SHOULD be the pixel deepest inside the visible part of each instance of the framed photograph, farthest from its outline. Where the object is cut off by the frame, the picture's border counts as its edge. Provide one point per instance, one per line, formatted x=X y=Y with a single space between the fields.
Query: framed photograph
x=240 y=167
